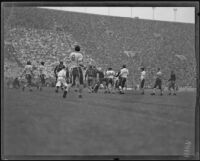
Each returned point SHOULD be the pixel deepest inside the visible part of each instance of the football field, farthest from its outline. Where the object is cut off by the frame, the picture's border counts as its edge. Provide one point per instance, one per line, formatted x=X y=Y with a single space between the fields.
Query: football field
x=43 y=123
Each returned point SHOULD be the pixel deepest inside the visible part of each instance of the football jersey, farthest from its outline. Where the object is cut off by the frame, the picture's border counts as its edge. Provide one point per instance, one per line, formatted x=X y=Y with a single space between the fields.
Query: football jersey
x=124 y=73
x=159 y=74
x=62 y=73
x=76 y=59
x=110 y=74
x=143 y=75
x=28 y=69
x=42 y=69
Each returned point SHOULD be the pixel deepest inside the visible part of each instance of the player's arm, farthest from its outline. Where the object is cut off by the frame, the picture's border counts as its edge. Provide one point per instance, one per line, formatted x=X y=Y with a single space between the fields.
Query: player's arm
x=86 y=74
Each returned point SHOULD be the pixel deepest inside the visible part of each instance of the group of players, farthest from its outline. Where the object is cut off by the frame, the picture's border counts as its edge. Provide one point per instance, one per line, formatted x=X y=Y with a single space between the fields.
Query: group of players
x=75 y=74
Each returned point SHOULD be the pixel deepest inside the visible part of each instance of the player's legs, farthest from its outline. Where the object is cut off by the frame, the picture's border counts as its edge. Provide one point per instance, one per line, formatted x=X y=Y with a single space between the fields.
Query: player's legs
x=58 y=84
x=155 y=86
x=142 y=86
x=80 y=76
x=173 y=87
x=89 y=84
x=160 y=87
x=29 y=82
x=66 y=88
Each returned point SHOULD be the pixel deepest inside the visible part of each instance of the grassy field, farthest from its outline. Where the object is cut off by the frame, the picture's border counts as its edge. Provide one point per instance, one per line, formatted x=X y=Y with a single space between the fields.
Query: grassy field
x=43 y=123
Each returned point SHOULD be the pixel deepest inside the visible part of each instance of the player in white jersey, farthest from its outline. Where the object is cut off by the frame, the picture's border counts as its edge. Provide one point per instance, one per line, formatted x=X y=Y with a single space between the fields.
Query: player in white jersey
x=28 y=71
x=76 y=72
x=61 y=81
x=42 y=74
x=123 y=75
x=158 y=82
x=110 y=74
x=142 y=79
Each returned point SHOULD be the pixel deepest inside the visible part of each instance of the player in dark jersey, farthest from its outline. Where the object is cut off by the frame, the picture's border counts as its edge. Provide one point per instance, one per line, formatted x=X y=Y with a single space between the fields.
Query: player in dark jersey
x=58 y=68
x=100 y=80
x=172 y=82
x=90 y=75
x=158 y=82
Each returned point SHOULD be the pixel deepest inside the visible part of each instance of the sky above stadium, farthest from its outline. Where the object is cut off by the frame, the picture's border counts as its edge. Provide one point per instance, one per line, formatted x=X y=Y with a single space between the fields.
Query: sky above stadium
x=178 y=14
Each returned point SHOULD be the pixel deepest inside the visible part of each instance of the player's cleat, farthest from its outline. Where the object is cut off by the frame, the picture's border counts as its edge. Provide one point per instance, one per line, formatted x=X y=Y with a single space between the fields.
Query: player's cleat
x=142 y=93
x=23 y=88
x=56 y=90
x=161 y=94
x=79 y=96
x=40 y=88
x=169 y=94
x=64 y=94
x=153 y=94
x=174 y=94
x=30 y=90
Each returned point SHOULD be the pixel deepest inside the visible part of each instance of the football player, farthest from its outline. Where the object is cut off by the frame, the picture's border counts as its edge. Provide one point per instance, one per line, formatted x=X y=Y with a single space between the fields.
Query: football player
x=61 y=81
x=142 y=80
x=172 y=82
x=110 y=74
x=58 y=68
x=28 y=71
x=158 y=82
x=42 y=74
x=76 y=59
x=90 y=76
x=124 y=72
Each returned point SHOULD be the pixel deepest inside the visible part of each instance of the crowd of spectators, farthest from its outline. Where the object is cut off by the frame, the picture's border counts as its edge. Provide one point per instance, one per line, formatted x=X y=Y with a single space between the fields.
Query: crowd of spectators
x=104 y=41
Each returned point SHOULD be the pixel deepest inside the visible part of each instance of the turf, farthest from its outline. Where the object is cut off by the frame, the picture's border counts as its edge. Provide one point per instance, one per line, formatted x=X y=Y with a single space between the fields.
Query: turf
x=43 y=123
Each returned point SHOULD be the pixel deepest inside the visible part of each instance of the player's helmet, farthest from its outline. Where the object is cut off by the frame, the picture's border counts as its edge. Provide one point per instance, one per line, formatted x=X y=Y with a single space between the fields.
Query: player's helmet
x=77 y=48
x=124 y=66
x=42 y=63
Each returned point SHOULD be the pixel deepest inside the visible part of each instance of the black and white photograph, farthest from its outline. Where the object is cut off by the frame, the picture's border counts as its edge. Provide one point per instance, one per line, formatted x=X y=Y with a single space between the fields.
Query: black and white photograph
x=100 y=80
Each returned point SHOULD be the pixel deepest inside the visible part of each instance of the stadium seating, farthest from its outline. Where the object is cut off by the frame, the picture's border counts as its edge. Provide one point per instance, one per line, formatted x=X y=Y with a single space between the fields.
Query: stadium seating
x=47 y=35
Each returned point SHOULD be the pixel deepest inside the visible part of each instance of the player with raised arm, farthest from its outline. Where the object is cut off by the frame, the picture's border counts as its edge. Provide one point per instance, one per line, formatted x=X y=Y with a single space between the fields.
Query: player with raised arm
x=76 y=59
x=123 y=75
x=158 y=82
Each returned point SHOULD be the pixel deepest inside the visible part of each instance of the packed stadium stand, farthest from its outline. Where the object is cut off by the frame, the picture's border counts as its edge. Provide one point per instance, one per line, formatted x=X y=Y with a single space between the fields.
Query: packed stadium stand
x=38 y=34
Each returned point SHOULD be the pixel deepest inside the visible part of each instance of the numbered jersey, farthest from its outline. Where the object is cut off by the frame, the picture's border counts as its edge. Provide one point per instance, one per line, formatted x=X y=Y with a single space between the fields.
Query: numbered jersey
x=28 y=69
x=76 y=59
x=110 y=74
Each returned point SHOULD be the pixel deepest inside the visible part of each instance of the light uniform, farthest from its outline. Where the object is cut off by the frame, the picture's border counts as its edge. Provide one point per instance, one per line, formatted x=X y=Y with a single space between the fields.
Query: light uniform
x=75 y=69
x=76 y=59
x=123 y=77
x=28 y=69
x=61 y=78
x=142 y=78
x=143 y=75
x=124 y=73
x=110 y=74
x=42 y=70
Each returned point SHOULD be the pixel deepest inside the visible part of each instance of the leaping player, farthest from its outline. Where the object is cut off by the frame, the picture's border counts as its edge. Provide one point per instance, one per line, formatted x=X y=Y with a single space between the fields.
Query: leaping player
x=76 y=59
